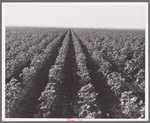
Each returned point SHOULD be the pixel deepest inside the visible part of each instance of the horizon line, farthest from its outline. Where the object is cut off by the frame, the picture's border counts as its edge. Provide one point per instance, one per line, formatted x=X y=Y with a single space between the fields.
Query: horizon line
x=77 y=27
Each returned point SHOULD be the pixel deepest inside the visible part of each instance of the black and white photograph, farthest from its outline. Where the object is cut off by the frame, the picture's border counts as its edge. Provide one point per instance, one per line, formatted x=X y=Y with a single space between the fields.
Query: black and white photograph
x=75 y=61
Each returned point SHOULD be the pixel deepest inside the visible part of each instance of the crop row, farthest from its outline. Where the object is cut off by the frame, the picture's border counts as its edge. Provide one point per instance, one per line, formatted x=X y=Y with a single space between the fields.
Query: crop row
x=50 y=98
x=105 y=97
x=87 y=101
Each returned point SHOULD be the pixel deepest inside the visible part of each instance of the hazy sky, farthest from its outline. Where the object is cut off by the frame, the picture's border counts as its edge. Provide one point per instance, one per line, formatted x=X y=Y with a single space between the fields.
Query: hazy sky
x=97 y=15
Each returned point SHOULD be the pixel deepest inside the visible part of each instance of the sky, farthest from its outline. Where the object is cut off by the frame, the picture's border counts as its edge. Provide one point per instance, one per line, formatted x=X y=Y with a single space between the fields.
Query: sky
x=95 y=15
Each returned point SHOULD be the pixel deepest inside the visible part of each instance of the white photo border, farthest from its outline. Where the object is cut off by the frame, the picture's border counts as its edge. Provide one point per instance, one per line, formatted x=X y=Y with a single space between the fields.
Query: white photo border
x=78 y=3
